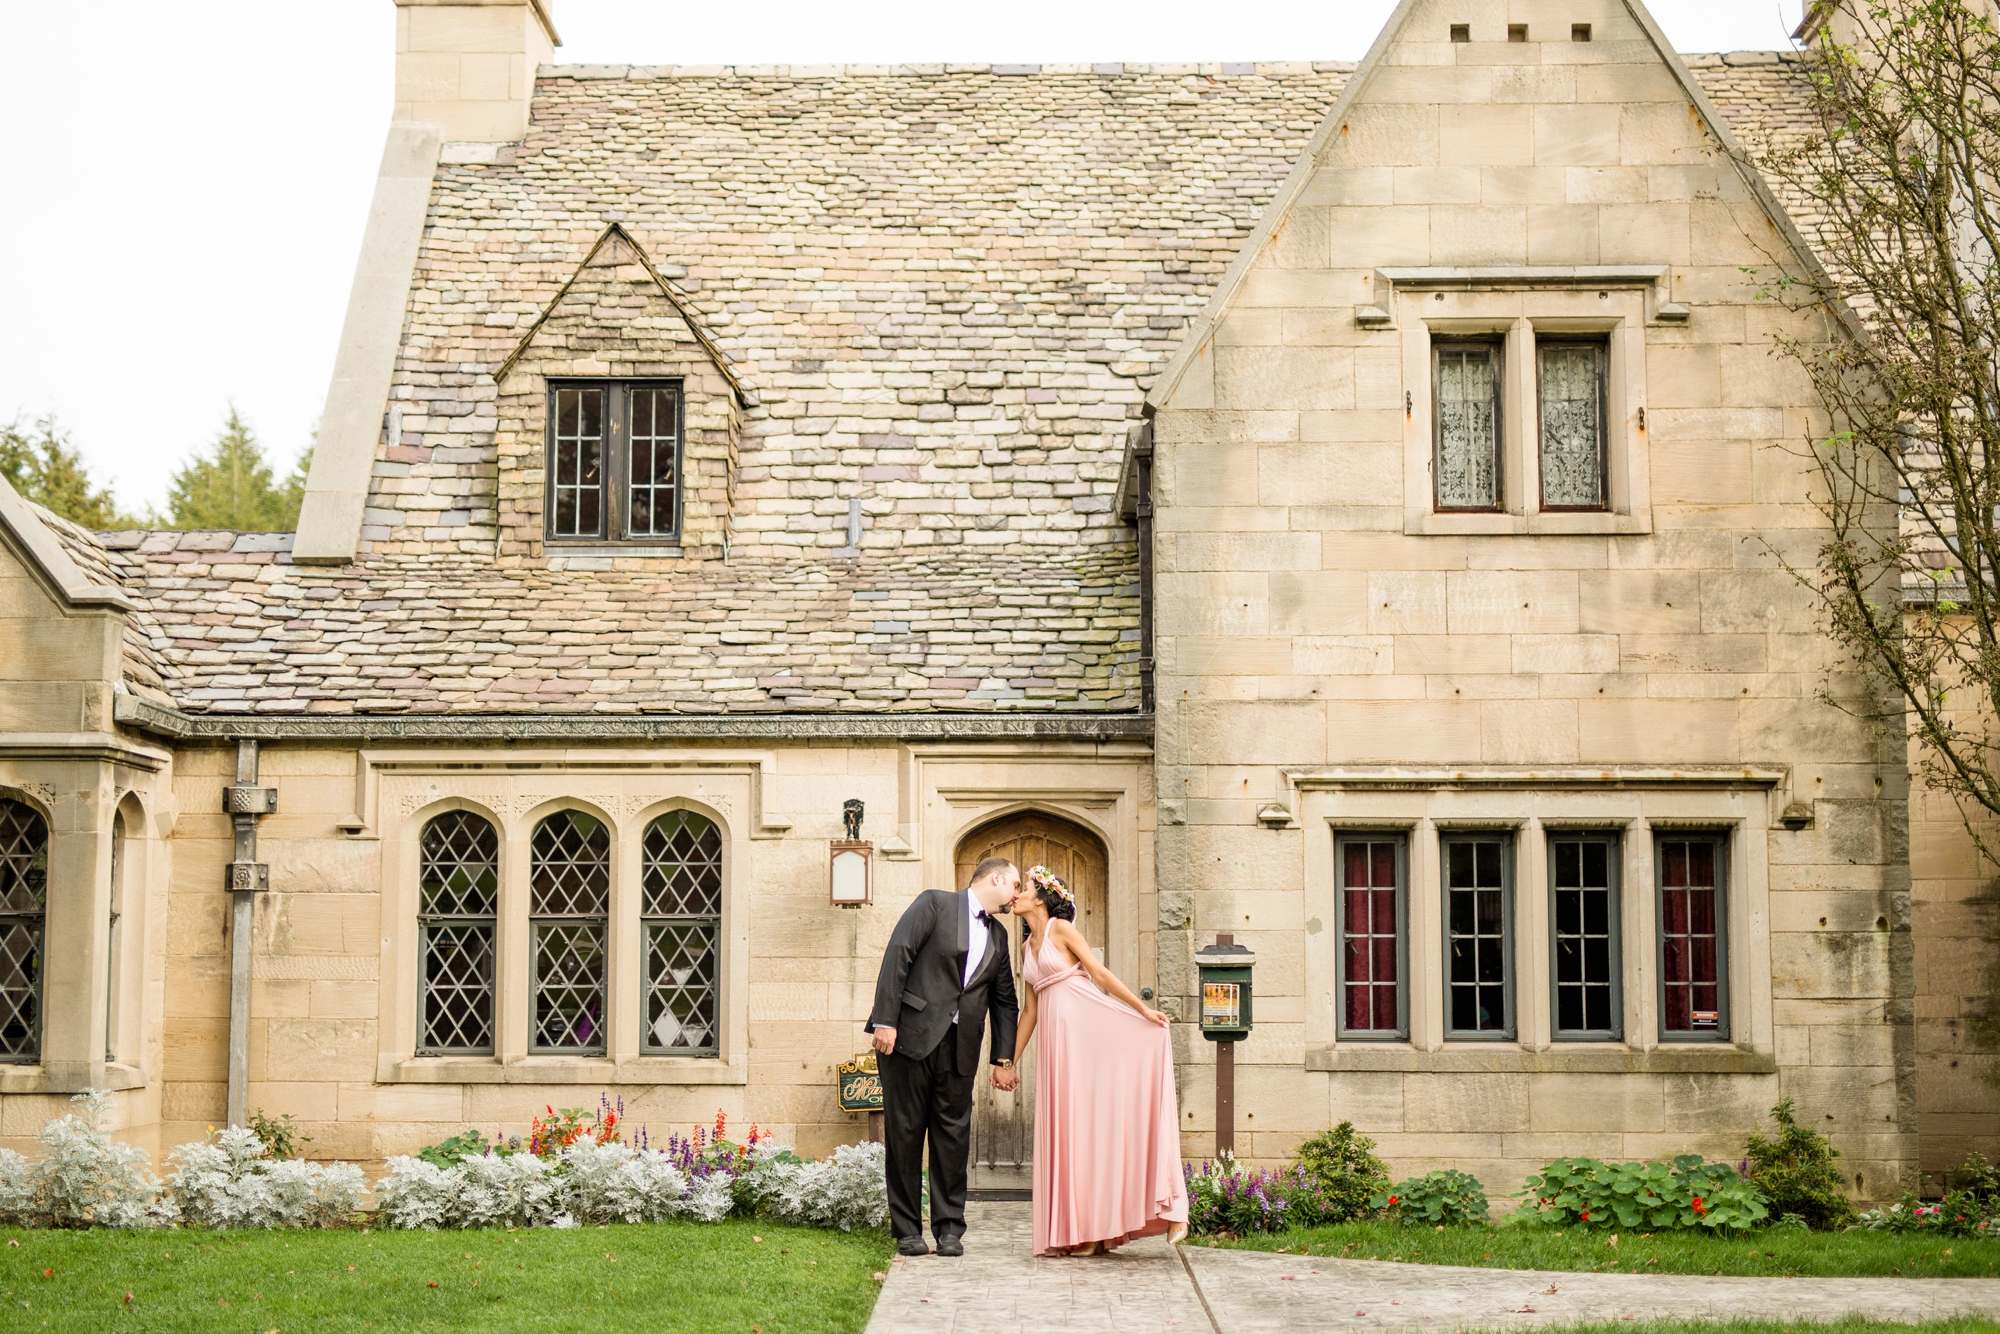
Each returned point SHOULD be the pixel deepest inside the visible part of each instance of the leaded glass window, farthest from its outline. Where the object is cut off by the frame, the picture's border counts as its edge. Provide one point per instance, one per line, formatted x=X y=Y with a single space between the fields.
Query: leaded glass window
x=614 y=461
x=1373 y=922
x=569 y=903
x=681 y=925
x=1468 y=425
x=1583 y=907
x=458 y=900
x=1479 y=937
x=24 y=896
x=1572 y=427
x=1694 y=986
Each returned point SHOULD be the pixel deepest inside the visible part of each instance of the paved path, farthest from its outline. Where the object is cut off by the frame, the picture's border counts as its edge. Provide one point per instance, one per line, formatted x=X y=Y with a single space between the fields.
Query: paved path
x=1144 y=1288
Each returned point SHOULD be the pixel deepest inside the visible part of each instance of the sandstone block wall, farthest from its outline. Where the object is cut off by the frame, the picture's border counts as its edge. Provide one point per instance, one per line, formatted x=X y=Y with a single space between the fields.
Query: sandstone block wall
x=1335 y=654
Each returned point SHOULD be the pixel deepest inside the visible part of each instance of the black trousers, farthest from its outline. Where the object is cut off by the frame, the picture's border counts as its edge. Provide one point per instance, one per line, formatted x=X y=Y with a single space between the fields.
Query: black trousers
x=927 y=1099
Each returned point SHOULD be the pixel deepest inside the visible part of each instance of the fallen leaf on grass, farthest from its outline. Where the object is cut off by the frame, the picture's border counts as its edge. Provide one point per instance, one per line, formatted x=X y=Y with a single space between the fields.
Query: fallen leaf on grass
x=48 y=1273
x=879 y=1276
x=756 y=1238
x=12 y=1242
x=128 y=1299
x=432 y=1284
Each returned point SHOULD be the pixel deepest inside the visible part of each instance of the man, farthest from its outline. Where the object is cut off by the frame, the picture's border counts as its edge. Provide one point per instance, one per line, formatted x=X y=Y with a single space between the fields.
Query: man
x=945 y=970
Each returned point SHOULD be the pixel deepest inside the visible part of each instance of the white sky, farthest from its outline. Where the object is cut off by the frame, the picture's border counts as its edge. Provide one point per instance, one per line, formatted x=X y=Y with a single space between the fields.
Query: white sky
x=185 y=184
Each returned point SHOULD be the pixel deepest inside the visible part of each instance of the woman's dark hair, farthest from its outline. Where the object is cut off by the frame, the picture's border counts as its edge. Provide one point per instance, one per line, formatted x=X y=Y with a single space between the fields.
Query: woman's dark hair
x=1060 y=908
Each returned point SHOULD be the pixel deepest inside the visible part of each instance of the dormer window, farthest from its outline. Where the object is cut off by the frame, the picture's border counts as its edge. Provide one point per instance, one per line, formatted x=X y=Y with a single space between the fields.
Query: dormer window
x=614 y=461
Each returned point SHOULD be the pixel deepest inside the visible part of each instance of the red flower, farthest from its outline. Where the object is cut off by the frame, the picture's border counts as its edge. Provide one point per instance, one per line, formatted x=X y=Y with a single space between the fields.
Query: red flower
x=1697 y=1205
x=1392 y=1199
x=1586 y=1215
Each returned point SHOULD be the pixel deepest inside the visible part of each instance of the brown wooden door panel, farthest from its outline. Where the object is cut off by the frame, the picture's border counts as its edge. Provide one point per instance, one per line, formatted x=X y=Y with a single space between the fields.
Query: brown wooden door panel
x=1003 y=1130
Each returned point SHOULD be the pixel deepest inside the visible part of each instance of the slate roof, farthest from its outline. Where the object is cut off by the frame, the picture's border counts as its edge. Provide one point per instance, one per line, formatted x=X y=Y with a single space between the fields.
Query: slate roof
x=1058 y=228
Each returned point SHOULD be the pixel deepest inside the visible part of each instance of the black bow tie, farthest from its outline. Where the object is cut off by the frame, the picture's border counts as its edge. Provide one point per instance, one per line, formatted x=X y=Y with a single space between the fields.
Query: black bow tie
x=981 y=916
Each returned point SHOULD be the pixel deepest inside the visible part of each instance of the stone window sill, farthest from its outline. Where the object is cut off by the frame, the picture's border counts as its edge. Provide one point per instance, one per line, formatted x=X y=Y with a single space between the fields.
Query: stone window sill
x=1422 y=523
x=596 y=1071
x=1591 y=1058
x=39 y=1079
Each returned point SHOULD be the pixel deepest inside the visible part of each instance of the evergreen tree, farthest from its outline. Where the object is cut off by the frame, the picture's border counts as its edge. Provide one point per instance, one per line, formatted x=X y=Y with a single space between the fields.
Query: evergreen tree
x=41 y=464
x=229 y=486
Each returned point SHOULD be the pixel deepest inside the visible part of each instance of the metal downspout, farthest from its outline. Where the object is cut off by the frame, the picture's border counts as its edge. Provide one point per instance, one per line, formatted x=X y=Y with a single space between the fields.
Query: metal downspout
x=1142 y=458
x=246 y=803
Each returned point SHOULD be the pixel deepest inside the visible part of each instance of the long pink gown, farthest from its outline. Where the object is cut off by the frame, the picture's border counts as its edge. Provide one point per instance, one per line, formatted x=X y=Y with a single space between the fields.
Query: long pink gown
x=1107 y=1128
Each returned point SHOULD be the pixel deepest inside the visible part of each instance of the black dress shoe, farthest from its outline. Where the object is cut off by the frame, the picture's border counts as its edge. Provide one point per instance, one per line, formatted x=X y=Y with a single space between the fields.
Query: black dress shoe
x=951 y=1245
x=912 y=1246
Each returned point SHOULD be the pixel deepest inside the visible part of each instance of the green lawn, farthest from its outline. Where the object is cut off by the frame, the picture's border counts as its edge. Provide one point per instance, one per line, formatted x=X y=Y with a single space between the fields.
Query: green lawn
x=668 y=1276
x=1780 y=1251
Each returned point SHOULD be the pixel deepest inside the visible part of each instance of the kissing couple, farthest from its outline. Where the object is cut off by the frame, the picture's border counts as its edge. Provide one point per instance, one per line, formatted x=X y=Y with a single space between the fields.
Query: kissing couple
x=1107 y=1124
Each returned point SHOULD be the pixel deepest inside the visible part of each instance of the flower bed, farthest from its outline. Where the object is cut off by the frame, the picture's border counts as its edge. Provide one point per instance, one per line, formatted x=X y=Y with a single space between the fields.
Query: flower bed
x=575 y=1169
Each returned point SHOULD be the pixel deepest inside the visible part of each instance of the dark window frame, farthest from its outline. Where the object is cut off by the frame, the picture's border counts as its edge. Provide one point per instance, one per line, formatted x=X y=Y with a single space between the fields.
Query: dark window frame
x=1496 y=348
x=1600 y=345
x=1509 y=947
x=432 y=924
x=24 y=866
x=1614 y=850
x=656 y=898
x=614 y=526
x=1401 y=842
x=1719 y=840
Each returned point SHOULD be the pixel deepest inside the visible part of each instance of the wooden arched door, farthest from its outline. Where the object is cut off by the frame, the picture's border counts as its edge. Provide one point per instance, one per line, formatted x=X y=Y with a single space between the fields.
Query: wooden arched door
x=1003 y=1130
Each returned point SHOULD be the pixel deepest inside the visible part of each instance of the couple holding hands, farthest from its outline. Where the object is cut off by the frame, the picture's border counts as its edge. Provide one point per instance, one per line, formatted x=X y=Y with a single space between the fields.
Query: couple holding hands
x=1107 y=1129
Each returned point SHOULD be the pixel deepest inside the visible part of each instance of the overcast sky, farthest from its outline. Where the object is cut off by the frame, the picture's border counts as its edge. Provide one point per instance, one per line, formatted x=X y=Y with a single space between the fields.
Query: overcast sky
x=187 y=182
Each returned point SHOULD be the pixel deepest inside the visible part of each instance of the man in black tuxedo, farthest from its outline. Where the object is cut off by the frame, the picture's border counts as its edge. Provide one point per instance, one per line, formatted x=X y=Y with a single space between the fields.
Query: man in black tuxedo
x=945 y=970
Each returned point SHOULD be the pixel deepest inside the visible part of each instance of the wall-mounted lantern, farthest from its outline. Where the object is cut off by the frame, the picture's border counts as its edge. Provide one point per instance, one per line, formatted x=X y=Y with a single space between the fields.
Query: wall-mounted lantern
x=848 y=861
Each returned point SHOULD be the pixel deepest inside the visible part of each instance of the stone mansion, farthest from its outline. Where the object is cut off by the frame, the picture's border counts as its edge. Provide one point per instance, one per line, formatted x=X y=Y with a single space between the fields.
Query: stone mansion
x=1337 y=505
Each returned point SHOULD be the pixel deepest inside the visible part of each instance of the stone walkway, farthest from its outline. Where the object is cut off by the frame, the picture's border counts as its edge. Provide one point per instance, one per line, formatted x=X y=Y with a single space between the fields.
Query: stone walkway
x=1145 y=1288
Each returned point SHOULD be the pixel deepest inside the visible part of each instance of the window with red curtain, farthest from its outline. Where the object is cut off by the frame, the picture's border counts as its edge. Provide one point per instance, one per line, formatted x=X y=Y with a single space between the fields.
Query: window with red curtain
x=1694 y=959
x=1372 y=883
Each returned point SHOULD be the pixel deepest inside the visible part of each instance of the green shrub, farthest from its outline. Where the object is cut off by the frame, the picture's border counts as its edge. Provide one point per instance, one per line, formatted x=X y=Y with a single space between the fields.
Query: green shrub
x=1958 y=1214
x=1684 y=1194
x=1979 y=1179
x=1447 y=1197
x=1342 y=1164
x=280 y=1138
x=1796 y=1172
x=447 y=1153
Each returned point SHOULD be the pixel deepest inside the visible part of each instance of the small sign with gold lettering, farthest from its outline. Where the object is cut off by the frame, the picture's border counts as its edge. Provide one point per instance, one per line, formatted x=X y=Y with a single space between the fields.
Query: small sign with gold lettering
x=860 y=1084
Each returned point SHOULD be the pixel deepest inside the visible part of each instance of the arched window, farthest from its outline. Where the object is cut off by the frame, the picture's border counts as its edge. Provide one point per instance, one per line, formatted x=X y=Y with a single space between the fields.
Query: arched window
x=569 y=902
x=24 y=889
x=459 y=886
x=681 y=926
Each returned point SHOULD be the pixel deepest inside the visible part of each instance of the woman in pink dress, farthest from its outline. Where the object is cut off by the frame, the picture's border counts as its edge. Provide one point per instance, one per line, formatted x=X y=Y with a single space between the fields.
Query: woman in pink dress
x=1107 y=1127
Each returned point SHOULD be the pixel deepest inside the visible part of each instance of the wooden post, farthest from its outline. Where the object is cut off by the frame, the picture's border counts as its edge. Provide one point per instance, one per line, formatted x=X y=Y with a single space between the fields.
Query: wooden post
x=1225 y=1083
x=875 y=1127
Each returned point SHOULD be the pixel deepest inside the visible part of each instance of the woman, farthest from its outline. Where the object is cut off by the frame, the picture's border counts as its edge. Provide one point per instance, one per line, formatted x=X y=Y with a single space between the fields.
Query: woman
x=1107 y=1132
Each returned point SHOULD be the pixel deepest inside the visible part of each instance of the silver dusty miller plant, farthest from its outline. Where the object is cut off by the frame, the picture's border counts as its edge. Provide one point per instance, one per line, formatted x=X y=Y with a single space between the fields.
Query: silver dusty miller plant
x=233 y=1181
x=83 y=1178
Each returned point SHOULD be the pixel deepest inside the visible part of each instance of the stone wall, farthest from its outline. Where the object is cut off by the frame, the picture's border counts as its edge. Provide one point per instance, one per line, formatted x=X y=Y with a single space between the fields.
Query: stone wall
x=1337 y=654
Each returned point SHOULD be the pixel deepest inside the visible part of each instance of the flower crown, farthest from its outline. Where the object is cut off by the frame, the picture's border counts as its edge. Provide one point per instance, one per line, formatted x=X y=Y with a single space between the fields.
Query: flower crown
x=1043 y=879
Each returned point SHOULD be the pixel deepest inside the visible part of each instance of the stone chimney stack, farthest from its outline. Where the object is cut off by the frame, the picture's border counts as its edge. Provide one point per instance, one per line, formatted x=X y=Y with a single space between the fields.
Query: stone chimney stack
x=469 y=65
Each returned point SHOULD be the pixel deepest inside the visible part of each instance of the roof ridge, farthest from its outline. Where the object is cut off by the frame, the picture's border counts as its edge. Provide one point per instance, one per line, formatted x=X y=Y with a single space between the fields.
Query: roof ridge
x=927 y=69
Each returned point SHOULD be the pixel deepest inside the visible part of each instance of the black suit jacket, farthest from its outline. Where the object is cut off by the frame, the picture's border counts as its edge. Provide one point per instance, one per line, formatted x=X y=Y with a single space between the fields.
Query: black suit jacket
x=922 y=982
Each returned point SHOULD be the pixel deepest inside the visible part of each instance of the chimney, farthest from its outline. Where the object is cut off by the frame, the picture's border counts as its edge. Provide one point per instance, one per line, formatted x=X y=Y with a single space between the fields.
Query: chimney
x=469 y=65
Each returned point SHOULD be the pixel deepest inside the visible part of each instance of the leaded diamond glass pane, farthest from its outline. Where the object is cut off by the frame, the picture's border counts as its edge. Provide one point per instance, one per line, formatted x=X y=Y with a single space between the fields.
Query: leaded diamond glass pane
x=24 y=858
x=571 y=871
x=461 y=866
x=1468 y=450
x=24 y=889
x=1572 y=428
x=458 y=989
x=680 y=988
x=569 y=987
x=683 y=866
x=20 y=988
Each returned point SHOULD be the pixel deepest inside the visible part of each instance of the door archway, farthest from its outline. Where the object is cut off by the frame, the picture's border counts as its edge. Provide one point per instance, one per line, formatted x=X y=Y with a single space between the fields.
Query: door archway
x=1003 y=1130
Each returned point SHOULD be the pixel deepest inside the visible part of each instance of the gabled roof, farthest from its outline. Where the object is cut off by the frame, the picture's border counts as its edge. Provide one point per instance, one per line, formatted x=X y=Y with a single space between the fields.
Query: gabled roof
x=1203 y=327
x=29 y=527
x=616 y=246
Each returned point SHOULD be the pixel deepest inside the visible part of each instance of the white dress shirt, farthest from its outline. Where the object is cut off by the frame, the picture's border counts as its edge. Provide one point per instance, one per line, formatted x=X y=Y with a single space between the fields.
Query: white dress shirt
x=975 y=941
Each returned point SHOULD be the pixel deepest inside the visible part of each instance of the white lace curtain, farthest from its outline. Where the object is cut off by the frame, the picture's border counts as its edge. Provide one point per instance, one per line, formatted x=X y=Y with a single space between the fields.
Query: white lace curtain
x=1468 y=460
x=1572 y=427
